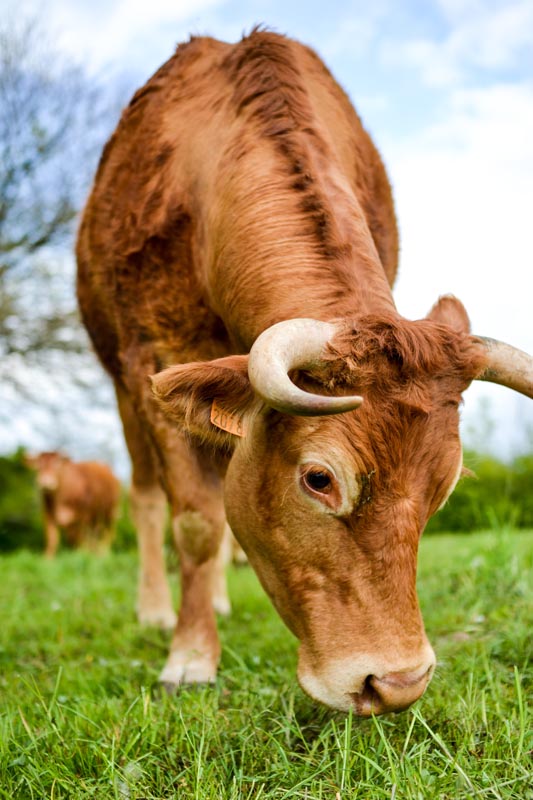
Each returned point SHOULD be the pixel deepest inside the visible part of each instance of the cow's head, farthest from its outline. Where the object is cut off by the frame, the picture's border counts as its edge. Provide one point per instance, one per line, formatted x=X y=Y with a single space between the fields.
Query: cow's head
x=328 y=493
x=47 y=467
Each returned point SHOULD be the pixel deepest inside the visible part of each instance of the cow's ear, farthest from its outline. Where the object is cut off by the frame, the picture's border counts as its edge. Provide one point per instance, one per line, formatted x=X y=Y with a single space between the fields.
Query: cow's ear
x=450 y=311
x=211 y=400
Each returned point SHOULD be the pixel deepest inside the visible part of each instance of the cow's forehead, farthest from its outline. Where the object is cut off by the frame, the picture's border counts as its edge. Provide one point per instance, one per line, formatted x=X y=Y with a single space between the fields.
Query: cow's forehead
x=398 y=384
x=380 y=346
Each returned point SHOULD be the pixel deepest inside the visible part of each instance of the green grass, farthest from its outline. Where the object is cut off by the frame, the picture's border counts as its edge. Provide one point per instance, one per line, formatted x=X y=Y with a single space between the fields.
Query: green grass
x=80 y=715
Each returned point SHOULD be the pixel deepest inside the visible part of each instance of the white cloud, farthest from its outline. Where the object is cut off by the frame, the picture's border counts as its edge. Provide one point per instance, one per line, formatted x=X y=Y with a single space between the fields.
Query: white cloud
x=489 y=36
x=355 y=35
x=100 y=34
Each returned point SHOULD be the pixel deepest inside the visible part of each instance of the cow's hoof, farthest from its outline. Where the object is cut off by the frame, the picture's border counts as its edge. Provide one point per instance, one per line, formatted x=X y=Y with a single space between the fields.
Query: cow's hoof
x=166 y=687
x=187 y=668
x=173 y=689
x=158 y=618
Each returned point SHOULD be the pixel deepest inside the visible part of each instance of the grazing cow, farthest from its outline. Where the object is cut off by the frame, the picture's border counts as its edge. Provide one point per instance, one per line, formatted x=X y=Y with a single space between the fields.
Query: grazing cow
x=241 y=230
x=81 y=498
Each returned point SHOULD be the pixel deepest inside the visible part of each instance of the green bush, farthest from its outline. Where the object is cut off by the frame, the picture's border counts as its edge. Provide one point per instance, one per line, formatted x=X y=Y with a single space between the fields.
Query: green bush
x=497 y=494
x=20 y=505
x=522 y=489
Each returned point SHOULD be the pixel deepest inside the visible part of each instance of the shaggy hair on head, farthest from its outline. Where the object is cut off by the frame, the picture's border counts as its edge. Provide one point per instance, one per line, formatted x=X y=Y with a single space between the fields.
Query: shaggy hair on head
x=397 y=358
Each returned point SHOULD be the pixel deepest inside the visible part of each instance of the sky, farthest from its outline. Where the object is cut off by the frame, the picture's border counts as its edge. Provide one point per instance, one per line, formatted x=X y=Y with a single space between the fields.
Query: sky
x=445 y=87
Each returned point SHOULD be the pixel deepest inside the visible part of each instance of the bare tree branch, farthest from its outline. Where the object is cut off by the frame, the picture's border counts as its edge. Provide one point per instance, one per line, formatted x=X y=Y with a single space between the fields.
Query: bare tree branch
x=53 y=123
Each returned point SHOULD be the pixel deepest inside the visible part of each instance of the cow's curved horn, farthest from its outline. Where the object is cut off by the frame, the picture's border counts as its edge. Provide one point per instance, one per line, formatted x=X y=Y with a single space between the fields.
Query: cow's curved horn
x=293 y=344
x=508 y=366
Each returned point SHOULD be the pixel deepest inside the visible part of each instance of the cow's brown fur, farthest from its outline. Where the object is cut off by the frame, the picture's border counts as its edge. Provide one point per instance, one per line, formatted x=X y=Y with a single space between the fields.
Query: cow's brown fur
x=80 y=498
x=240 y=189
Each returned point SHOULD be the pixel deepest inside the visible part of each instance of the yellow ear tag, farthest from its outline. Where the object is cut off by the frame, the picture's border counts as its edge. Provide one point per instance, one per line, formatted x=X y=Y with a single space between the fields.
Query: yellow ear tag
x=227 y=420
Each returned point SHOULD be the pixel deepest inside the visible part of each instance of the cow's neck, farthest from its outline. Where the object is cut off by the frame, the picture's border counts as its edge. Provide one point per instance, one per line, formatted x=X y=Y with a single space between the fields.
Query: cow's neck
x=279 y=253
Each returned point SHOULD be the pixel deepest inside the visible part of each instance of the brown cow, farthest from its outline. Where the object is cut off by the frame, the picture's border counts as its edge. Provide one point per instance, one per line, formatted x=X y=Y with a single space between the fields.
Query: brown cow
x=80 y=498
x=238 y=195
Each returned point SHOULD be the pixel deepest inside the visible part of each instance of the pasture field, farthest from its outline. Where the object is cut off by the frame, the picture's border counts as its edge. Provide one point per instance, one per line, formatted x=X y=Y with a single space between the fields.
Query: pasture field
x=80 y=716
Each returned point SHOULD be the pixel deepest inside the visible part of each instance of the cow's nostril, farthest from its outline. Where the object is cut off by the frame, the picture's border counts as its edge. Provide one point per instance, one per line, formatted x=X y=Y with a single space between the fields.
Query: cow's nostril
x=367 y=701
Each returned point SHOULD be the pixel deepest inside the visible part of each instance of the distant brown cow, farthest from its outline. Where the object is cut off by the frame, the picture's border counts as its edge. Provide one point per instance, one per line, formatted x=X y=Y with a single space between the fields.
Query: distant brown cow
x=241 y=229
x=80 y=498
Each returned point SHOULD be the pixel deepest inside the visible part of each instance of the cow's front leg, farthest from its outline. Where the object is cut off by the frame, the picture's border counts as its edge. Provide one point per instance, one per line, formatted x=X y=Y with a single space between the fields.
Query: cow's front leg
x=195 y=649
x=148 y=508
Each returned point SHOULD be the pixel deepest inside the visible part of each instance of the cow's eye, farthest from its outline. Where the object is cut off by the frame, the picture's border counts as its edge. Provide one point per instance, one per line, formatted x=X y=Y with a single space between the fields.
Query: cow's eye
x=321 y=484
x=317 y=480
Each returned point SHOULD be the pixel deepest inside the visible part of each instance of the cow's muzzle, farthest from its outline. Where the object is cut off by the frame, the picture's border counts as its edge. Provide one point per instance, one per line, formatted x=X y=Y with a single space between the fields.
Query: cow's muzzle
x=367 y=685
